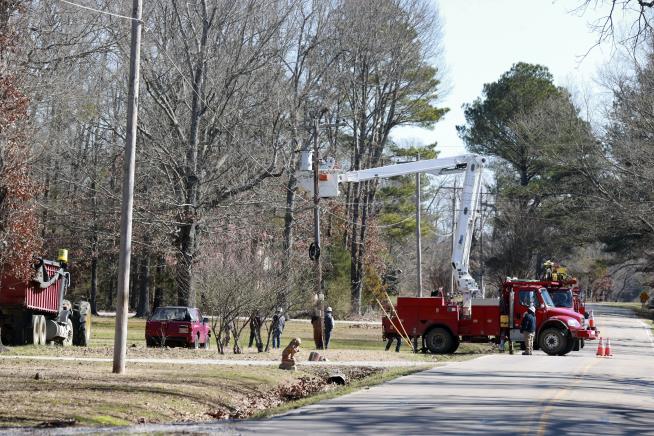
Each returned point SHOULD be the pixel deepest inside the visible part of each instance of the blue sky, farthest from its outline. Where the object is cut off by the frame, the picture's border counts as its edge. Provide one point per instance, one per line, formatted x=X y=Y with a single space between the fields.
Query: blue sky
x=483 y=38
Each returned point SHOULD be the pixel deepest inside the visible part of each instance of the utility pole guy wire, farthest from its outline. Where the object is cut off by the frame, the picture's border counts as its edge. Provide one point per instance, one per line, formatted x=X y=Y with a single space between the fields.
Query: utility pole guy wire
x=120 y=340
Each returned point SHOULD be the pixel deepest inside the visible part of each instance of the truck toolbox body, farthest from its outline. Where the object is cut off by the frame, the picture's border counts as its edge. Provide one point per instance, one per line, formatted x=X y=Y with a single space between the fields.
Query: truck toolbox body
x=484 y=321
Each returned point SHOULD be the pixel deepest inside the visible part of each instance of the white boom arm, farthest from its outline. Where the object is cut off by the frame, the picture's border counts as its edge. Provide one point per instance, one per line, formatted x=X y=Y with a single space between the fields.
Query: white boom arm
x=472 y=165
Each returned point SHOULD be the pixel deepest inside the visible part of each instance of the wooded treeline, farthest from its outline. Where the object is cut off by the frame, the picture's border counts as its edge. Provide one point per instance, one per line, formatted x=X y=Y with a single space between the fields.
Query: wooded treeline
x=231 y=94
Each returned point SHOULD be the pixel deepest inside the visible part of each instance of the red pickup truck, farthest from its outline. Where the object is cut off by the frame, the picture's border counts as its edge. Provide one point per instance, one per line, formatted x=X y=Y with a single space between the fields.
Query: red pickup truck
x=177 y=326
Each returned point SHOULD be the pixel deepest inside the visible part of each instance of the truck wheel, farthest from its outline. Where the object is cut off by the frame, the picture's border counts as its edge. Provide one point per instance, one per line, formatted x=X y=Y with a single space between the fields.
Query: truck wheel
x=439 y=341
x=68 y=340
x=36 y=329
x=455 y=345
x=83 y=334
x=82 y=326
x=569 y=345
x=576 y=345
x=42 y=330
x=553 y=341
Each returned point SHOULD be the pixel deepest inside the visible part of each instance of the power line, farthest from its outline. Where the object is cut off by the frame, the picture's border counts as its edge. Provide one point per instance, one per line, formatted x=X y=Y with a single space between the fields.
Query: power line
x=100 y=11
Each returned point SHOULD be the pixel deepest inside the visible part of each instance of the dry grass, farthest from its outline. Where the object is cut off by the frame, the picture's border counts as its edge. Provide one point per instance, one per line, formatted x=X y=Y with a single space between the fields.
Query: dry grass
x=87 y=393
x=349 y=342
x=90 y=394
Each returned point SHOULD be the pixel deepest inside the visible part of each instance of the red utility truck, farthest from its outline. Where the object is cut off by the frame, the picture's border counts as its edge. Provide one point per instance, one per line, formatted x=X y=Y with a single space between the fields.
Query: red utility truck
x=442 y=324
x=36 y=312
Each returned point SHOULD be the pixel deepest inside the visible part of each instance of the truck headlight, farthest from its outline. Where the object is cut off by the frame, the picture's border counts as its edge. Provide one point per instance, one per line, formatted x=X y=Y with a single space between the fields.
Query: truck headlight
x=573 y=323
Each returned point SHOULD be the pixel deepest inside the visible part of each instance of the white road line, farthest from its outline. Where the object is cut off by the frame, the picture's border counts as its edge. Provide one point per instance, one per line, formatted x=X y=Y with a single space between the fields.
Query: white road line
x=648 y=330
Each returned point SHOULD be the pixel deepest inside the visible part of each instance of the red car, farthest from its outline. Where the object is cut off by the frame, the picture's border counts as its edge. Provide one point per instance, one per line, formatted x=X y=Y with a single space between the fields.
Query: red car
x=177 y=326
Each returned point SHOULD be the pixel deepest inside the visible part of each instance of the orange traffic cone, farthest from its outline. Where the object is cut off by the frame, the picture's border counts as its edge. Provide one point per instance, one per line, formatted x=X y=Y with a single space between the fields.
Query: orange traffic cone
x=600 y=348
x=591 y=321
x=607 y=349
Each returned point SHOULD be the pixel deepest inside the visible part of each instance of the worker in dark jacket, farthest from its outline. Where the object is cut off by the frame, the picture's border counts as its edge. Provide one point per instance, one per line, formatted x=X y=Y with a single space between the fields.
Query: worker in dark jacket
x=255 y=331
x=329 y=326
x=528 y=329
x=278 y=323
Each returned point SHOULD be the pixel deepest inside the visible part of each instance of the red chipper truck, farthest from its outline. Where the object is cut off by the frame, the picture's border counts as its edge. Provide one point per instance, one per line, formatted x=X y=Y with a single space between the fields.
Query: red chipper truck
x=36 y=312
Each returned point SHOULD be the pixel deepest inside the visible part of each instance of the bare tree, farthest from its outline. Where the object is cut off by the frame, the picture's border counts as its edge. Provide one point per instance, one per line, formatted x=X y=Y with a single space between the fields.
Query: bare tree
x=209 y=70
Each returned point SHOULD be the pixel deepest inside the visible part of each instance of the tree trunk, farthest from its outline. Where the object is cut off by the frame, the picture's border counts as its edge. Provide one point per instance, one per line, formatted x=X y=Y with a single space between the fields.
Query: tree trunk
x=189 y=227
x=184 y=269
x=94 y=284
x=143 y=309
x=355 y=248
x=158 y=299
x=289 y=224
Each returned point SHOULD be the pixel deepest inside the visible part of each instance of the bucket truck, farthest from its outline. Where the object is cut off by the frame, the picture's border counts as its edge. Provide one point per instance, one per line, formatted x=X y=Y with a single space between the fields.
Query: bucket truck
x=442 y=324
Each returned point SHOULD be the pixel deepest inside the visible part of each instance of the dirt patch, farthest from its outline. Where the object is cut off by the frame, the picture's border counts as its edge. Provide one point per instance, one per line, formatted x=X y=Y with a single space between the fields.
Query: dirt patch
x=319 y=380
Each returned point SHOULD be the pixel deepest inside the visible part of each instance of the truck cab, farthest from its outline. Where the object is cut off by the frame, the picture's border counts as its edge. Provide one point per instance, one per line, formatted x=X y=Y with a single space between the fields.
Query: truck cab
x=559 y=330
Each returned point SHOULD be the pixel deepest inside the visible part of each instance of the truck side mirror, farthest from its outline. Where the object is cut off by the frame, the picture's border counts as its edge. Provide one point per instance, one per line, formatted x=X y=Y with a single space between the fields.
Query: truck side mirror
x=205 y=320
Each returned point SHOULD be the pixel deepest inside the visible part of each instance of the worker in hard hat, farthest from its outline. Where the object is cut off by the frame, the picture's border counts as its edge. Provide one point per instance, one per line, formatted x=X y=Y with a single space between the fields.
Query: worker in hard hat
x=329 y=326
x=528 y=329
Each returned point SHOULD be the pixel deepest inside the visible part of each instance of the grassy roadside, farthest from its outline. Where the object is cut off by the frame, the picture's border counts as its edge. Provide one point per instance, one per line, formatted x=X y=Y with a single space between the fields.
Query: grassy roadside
x=86 y=393
x=358 y=342
x=373 y=380
x=69 y=393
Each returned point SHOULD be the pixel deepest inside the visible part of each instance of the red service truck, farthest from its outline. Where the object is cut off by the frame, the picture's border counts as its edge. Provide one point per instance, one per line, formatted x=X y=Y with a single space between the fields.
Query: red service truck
x=442 y=325
x=36 y=311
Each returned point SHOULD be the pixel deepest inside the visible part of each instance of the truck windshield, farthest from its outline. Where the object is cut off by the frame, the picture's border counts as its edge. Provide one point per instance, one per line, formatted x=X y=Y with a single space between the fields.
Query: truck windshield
x=562 y=298
x=546 y=297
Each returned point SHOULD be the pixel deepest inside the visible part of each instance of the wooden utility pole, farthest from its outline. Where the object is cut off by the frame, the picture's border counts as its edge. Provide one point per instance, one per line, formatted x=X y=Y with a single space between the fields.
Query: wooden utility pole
x=318 y=330
x=453 y=236
x=120 y=339
x=418 y=236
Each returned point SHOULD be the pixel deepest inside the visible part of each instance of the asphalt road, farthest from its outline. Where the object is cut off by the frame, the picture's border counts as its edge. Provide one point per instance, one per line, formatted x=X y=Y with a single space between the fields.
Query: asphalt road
x=495 y=394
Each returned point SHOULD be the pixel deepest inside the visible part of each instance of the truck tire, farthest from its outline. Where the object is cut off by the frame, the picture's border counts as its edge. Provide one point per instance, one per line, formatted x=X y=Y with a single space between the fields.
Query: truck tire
x=68 y=340
x=82 y=324
x=455 y=345
x=42 y=330
x=553 y=341
x=576 y=345
x=36 y=330
x=439 y=341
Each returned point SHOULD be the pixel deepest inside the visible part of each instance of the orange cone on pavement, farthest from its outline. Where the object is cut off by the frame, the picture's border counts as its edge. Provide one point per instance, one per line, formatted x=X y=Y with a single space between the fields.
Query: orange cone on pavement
x=591 y=320
x=600 y=348
x=607 y=349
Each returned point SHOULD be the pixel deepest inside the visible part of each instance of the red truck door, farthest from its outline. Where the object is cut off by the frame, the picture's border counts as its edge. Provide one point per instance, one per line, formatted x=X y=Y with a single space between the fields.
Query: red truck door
x=523 y=299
